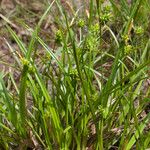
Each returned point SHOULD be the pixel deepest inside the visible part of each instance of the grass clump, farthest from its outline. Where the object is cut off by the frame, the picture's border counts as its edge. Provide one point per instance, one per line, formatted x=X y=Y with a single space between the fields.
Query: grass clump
x=89 y=89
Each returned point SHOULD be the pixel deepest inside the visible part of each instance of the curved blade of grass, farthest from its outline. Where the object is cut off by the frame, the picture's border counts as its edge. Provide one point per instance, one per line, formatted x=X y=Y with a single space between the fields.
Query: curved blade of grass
x=113 y=35
x=18 y=41
x=7 y=129
x=53 y=112
x=145 y=52
x=42 y=120
x=51 y=53
x=9 y=103
x=36 y=31
x=136 y=135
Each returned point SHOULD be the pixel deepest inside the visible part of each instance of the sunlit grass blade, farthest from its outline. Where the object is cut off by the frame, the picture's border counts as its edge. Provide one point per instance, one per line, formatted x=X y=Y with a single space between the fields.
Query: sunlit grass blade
x=136 y=135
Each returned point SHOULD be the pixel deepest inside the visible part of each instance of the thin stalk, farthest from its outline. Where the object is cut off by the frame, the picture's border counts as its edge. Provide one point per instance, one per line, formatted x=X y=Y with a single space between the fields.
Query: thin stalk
x=99 y=128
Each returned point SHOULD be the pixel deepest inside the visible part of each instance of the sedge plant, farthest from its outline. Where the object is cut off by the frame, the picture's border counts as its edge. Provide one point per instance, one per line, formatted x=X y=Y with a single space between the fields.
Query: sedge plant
x=87 y=91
